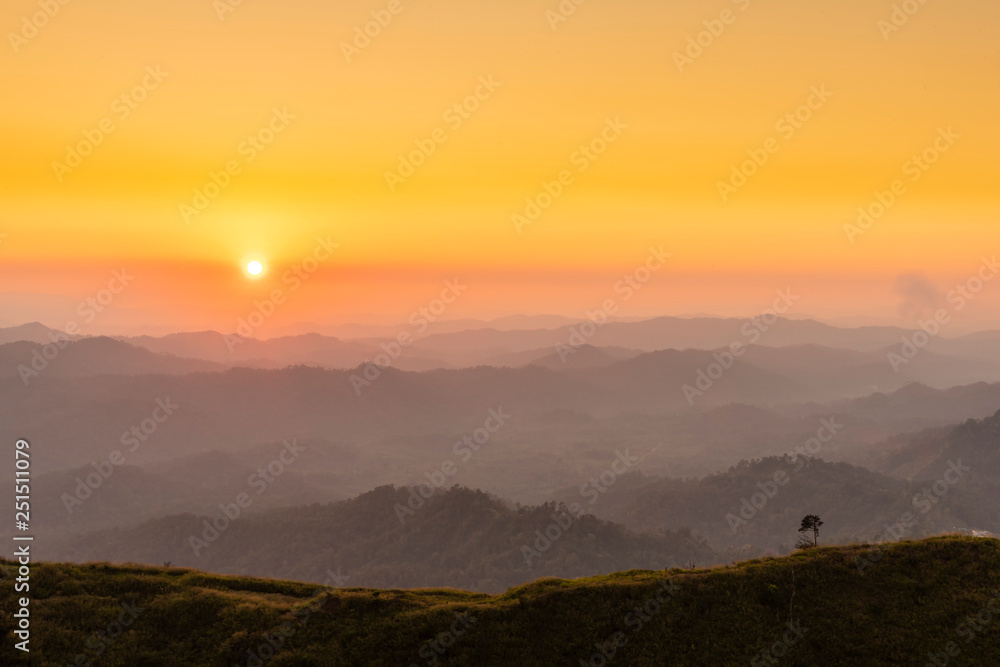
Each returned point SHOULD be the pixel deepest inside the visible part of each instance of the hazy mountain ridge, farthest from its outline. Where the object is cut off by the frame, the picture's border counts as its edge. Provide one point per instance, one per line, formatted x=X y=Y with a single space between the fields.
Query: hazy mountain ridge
x=104 y=495
x=754 y=508
x=27 y=360
x=751 y=510
x=469 y=343
x=384 y=538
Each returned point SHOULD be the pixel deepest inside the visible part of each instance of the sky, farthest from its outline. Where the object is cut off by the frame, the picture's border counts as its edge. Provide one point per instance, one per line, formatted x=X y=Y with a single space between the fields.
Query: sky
x=533 y=151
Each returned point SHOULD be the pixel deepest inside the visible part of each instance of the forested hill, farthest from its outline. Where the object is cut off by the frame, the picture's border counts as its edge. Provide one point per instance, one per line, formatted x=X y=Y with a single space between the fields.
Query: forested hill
x=392 y=537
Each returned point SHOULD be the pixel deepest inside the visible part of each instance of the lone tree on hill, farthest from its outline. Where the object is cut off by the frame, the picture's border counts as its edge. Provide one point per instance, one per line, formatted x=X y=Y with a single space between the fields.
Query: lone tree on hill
x=809 y=522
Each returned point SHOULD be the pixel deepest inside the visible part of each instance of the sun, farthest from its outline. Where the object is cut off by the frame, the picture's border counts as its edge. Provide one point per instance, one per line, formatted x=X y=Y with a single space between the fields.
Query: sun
x=254 y=268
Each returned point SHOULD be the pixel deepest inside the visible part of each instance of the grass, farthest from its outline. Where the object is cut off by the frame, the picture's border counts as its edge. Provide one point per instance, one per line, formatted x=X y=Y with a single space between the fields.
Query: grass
x=913 y=598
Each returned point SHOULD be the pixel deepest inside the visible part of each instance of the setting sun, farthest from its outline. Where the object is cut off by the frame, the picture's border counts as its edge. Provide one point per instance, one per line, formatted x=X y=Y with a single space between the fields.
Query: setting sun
x=255 y=267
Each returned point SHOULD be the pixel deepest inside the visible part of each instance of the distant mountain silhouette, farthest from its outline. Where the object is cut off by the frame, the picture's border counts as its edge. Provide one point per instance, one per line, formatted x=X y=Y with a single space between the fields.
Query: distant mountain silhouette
x=34 y=332
x=91 y=356
x=929 y=454
x=308 y=349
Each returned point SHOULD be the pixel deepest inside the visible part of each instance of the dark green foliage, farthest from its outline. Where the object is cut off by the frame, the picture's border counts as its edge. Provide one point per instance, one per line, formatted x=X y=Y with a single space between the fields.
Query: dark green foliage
x=810 y=523
x=908 y=603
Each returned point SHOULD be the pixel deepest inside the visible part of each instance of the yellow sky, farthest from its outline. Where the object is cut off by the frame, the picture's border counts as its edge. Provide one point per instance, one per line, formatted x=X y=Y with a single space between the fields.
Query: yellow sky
x=343 y=125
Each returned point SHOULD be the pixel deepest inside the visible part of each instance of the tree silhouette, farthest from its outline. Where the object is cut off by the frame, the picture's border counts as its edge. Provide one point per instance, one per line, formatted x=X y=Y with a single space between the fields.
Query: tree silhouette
x=809 y=522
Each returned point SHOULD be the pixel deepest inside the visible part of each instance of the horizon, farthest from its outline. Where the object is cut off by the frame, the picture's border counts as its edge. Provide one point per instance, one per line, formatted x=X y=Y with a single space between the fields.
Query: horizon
x=385 y=328
x=832 y=197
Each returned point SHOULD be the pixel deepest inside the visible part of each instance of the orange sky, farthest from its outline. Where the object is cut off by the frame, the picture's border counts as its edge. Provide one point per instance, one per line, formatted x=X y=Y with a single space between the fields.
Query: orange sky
x=340 y=126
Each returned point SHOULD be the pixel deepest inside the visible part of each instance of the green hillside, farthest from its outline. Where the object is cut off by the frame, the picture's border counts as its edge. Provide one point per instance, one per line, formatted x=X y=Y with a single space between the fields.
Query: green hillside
x=862 y=605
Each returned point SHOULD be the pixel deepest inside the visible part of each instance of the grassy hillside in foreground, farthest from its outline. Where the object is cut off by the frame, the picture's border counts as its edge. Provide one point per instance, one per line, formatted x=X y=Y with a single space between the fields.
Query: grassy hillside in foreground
x=813 y=608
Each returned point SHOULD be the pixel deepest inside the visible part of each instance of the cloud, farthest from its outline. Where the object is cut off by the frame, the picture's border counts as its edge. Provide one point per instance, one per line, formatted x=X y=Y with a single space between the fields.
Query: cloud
x=919 y=296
